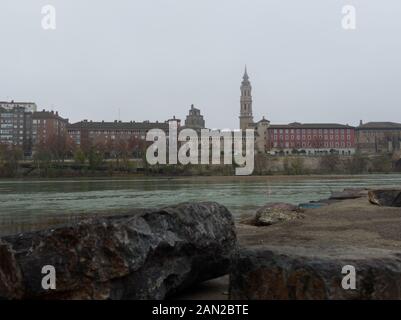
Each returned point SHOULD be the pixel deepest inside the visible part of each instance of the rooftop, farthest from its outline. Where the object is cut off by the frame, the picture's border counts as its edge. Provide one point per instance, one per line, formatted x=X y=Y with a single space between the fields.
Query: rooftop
x=15 y=102
x=380 y=125
x=47 y=115
x=312 y=126
x=12 y=110
x=118 y=125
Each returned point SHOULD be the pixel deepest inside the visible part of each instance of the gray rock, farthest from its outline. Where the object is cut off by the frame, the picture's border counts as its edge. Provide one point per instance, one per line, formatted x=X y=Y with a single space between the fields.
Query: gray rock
x=385 y=197
x=313 y=274
x=146 y=255
x=276 y=212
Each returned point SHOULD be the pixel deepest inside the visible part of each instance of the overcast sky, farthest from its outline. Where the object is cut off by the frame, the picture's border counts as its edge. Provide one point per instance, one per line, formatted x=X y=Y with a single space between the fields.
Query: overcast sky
x=153 y=58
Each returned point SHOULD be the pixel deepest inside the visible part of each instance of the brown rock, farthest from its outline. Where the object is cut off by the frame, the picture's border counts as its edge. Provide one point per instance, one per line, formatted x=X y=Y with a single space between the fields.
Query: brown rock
x=147 y=255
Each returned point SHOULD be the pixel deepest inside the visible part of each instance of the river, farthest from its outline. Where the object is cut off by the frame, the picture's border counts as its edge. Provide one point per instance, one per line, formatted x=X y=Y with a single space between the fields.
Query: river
x=33 y=204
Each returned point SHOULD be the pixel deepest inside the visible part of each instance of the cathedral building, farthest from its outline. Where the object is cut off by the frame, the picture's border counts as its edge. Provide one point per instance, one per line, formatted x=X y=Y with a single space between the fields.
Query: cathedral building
x=294 y=138
x=246 y=116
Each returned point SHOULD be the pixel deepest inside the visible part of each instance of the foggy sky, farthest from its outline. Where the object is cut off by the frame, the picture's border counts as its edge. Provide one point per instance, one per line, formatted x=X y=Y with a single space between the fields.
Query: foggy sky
x=152 y=59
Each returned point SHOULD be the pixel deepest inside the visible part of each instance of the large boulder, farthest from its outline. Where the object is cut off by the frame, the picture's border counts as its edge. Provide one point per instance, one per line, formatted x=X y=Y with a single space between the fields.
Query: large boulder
x=385 y=197
x=276 y=212
x=144 y=255
x=309 y=273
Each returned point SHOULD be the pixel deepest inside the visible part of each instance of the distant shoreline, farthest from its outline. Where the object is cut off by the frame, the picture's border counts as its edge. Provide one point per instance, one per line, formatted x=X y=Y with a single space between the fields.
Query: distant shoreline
x=199 y=177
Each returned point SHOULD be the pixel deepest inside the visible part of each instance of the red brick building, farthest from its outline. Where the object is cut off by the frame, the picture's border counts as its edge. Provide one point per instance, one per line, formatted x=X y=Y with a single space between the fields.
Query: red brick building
x=47 y=125
x=311 y=138
x=91 y=132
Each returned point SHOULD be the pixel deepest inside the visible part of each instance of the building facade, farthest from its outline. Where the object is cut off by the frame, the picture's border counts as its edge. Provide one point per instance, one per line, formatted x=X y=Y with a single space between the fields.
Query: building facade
x=311 y=138
x=48 y=126
x=21 y=127
x=28 y=106
x=378 y=137
x=16 y=128
x=261 y=135
x=86 y=133
x=194 y=120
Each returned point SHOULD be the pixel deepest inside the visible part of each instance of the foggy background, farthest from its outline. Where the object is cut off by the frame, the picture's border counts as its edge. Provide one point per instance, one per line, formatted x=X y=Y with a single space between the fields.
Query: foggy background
x=152 y=59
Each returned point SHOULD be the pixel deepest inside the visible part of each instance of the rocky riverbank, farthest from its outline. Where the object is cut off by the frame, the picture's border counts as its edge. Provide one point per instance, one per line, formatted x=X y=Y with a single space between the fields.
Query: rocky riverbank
x=194 y=251
x=303 y=258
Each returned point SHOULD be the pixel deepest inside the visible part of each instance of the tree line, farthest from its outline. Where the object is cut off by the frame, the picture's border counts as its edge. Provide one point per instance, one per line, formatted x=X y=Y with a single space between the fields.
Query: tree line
x=52 y=154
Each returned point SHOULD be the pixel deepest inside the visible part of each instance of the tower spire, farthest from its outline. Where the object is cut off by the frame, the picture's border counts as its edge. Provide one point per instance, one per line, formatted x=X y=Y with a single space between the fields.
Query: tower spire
x=246 y=116
x=246 y=77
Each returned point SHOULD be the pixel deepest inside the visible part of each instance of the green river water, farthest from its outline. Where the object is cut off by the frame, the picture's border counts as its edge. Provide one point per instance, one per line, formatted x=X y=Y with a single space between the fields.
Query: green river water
x=31 y=204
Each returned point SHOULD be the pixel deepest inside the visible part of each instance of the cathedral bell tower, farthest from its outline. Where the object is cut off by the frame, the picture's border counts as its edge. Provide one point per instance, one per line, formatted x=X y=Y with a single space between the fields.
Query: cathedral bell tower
x=246 y=117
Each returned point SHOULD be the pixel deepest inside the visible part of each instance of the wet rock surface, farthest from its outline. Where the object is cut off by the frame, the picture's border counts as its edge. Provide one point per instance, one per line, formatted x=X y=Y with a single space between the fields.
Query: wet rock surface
x=148 y=255
x=386 y=197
